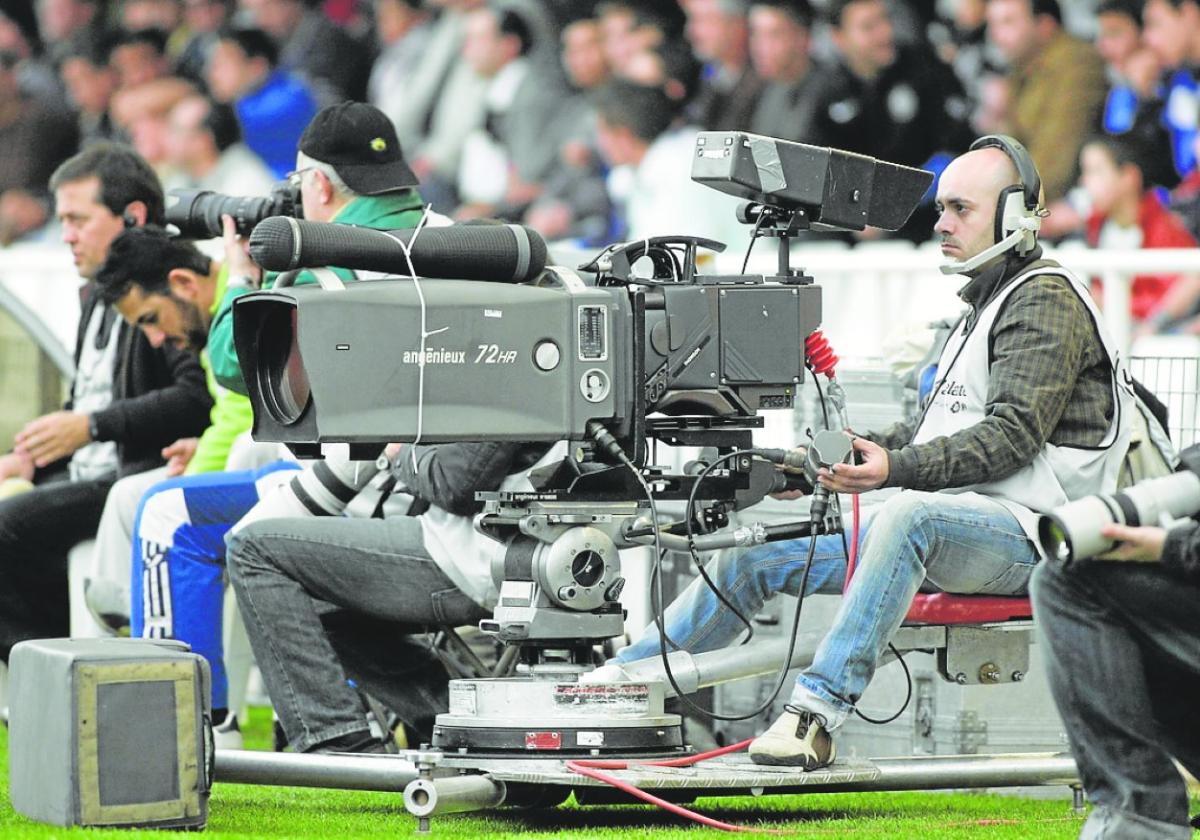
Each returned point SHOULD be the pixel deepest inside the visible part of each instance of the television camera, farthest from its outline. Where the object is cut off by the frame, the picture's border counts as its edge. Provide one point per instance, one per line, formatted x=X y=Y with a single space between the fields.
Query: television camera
x=632 y=349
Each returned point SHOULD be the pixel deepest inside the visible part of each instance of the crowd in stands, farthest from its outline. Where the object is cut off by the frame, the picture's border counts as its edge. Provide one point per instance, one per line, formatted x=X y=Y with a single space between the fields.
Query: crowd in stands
x=577 y=116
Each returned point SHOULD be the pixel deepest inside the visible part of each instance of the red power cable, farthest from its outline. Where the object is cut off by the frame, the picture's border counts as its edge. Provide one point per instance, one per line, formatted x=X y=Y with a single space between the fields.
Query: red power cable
x=591 y=769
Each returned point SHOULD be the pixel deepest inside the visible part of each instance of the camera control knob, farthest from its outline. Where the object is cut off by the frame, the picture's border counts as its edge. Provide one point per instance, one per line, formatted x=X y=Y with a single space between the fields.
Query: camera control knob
x=547 y=355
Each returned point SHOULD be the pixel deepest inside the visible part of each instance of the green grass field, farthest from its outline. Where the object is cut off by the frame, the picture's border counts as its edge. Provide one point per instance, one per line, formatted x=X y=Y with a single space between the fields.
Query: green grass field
x=244 y=811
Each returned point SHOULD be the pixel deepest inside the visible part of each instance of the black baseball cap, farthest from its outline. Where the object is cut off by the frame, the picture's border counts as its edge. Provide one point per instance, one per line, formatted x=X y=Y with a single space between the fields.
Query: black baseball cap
x=360 y=143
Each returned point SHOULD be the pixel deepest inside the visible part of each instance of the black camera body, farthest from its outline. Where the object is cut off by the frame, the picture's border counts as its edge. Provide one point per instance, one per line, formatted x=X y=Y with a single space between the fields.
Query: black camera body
x=197 y=213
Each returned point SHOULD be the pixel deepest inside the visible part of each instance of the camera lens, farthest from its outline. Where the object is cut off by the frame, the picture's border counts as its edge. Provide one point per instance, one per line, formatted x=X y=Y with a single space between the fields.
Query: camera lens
x=283 y=381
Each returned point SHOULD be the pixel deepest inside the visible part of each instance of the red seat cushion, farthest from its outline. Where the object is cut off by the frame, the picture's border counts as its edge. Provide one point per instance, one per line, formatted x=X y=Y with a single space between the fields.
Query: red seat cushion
x=944 y=608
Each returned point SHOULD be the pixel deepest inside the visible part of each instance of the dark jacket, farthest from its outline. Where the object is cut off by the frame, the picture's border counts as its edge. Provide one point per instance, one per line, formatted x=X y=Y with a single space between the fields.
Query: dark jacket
x=159 y=396
x=1181 y=552
x=447 y=475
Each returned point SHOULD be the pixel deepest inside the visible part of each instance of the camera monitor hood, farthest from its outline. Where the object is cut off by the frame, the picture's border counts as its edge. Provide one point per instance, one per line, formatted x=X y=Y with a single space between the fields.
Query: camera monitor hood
x=829 y=186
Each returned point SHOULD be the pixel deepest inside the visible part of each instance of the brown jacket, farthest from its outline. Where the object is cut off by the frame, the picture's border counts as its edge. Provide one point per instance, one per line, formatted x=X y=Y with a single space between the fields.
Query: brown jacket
x=1056 y=102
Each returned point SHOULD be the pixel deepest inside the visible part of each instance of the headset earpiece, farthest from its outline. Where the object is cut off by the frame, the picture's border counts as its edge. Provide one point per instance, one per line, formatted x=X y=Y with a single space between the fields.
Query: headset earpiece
x=1018 y=208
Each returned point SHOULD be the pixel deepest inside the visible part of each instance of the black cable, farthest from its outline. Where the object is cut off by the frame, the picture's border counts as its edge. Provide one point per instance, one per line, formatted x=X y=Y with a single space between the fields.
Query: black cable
x=846 y=551
x=660 y=620
x=907 y=697
x=753 y=238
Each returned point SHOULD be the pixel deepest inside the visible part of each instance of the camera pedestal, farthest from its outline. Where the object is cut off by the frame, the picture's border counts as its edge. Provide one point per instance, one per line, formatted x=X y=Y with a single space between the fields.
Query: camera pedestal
x=561 y=717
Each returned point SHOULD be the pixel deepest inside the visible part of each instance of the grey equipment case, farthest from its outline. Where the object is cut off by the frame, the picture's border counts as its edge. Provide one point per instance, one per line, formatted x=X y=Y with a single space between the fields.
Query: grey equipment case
x=109 y=732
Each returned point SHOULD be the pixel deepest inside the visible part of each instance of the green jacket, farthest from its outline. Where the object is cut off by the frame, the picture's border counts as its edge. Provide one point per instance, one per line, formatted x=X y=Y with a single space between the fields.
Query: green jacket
x=390 y=211
x=231 y=413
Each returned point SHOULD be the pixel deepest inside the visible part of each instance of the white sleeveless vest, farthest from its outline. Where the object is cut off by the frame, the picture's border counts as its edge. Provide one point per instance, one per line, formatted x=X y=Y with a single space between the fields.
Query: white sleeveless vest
x=464 y=554
x=1057 y=474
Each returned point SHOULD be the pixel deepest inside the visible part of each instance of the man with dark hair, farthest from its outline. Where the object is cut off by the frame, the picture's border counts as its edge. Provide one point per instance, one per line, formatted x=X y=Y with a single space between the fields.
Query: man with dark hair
x=895 y=102
x=204 y=144
x=779 y=52
x=312 y=46
x=1171 y=30
x=90 y=84
x=635 y=130
x=1131 y=106
x=506 y=158
x=138 y=57
x=1043 y=62
x=1122 y=653
x=128 y=401
x=33 y=141
x=729 y=88
x=272 y=105
x=161 y=285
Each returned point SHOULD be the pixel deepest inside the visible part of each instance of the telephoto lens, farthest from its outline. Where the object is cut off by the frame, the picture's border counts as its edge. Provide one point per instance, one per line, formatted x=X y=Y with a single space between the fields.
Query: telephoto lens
x=1072 y=532
x=197 y=213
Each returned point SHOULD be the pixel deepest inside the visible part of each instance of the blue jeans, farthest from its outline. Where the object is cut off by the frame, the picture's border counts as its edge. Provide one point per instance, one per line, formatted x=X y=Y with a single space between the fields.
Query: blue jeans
x=915 y=541
x=384 y=590
x=1122 y=644
x=177 y=588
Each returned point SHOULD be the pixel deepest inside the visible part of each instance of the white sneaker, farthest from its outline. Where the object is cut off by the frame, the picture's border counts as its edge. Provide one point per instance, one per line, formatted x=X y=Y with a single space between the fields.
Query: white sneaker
x=228 y=735
x=799 y=738
x=612 y=672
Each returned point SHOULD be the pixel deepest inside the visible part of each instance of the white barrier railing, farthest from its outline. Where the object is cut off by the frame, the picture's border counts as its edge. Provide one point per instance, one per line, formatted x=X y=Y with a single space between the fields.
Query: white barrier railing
x=871 y=292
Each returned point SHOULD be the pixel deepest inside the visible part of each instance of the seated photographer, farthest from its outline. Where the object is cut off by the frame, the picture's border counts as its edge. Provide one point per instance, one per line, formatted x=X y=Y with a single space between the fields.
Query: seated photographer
x=1028 y=412
x=179 y=529
x=388 y=580
x=350 y=170
x=1122 y=642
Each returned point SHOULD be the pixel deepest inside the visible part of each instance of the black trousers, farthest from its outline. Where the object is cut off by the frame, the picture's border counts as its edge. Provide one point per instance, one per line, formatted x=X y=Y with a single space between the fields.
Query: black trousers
x=37 y=529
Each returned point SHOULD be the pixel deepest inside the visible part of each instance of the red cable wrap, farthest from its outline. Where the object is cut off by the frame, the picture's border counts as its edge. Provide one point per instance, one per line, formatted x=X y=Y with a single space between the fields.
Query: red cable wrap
x=820 y=355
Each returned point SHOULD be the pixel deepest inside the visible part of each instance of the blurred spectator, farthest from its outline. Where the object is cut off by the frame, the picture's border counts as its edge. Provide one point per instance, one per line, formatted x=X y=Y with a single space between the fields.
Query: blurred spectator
x=138 y=57
x=18 y=35
x=652 y=162
x=166 y=16
x=33 y=142
x=1125 y=215
x=204 y=146
x=141 y=113
x=203 y=19
x=272 y=105
x=1044 y=63
x=633 y=27
x=574 y=201
x=1171 y=29
x=779 y=51
x=404 y=29
x=314 y=47
x=455 y=96
x=90 y=83
x=505 y=158
x=961 y=42
x=900 y=104
x=63 y=26
x=729 y=88
x=1132 y=106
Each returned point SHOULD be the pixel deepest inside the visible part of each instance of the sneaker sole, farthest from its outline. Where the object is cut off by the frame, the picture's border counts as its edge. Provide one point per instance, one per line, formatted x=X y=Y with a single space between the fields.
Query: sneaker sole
x=803 y=763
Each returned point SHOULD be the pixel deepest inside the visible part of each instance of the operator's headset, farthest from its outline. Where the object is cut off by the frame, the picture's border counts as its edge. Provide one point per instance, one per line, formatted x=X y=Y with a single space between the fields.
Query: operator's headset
x=1019 y=211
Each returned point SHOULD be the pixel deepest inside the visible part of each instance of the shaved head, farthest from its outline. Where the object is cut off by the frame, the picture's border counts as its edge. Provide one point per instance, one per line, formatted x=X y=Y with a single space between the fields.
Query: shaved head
x=966 y=199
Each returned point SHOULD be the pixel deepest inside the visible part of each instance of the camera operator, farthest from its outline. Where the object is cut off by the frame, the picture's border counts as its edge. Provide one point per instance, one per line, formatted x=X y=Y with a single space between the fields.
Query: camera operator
x=350 y=170
x=1122 y=643
x=388 y=579
x=1028 y=409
